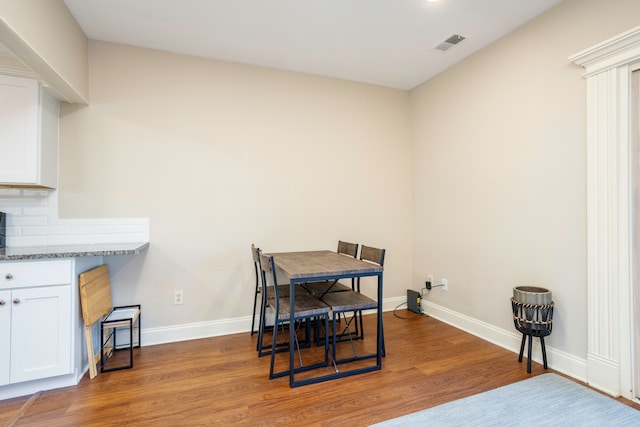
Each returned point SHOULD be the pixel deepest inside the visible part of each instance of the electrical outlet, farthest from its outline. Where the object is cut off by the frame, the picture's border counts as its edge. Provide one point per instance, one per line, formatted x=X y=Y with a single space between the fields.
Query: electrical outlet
x=445 y=284
x=178 y=298
x=430 y=278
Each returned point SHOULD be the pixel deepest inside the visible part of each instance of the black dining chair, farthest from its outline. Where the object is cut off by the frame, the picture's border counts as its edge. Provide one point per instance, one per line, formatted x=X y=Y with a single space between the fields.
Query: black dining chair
x=353 y=302
x=266 y=301
x=257 y=290
x=320 y=289
x=307 y=308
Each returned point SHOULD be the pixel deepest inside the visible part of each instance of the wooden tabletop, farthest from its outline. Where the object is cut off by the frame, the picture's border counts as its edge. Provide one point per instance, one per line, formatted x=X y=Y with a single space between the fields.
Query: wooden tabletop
x=315 y=264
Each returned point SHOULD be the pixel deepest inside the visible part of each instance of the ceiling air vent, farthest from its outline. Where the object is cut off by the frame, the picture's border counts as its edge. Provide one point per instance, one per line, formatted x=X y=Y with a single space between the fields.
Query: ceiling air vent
x=450 y=42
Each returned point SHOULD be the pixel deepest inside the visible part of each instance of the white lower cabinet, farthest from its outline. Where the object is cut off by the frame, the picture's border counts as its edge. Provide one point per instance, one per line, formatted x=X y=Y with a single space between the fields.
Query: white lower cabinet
x=5 y=334
x=36 y=323
x=40 y=332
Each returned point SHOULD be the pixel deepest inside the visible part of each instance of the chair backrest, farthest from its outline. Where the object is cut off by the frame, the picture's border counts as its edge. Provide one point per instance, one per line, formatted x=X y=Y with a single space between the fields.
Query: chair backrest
x=265 y=262
x=256 y=253
x=371 y=254
x=347 y=248
x=267 y=267
x=95 y=294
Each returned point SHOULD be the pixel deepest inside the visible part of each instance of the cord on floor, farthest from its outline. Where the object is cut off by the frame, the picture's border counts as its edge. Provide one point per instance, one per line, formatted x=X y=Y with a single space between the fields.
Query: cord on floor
x=422 y=294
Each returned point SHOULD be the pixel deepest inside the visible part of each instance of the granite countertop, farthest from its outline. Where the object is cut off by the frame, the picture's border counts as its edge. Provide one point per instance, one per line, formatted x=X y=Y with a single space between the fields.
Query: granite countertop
x=71 y=251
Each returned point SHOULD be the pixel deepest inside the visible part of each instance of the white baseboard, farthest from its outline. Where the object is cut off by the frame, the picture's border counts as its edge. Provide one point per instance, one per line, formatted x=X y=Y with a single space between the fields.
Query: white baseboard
x=391 y=304
x=604 y=374
x=193 y=331
x=510 y=340
x=10 y=391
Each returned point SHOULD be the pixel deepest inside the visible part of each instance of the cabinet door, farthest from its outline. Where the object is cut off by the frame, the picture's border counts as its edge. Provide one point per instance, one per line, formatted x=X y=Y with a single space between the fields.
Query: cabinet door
x=19 y=125
x=5 y=333
x=40 y=338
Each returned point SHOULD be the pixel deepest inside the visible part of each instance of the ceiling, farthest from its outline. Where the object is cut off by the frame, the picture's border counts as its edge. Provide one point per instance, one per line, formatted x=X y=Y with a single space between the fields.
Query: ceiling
x=383 y=42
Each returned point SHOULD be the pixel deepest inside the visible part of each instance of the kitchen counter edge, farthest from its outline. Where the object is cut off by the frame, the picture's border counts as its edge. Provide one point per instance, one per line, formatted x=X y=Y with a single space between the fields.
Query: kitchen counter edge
x=71 y=251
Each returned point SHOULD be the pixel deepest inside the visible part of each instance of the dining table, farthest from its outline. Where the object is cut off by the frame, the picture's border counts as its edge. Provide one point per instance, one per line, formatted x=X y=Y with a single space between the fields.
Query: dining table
x=315 y=266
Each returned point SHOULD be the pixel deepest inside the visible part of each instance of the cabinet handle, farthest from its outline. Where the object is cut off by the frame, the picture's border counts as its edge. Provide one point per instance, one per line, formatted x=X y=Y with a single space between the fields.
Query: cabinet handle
x=16 y=301
x=2 y=302
x=8 y=276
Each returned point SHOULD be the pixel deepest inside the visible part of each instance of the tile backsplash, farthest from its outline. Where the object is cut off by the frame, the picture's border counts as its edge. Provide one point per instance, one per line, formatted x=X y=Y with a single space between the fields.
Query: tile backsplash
x=32 y=220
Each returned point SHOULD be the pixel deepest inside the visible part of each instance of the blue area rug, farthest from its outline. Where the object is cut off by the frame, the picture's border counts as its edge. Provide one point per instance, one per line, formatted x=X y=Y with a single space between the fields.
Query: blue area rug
x=547 y=399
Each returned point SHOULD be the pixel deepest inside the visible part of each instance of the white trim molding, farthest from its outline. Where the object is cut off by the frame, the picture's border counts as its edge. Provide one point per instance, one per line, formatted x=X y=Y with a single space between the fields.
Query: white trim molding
x=610 y=211
x=198 y=330
x=620 y=50
x=508 y=339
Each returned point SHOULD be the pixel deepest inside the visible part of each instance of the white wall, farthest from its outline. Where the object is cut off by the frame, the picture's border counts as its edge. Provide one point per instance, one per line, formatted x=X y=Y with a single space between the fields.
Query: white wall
x=46 y=37
x=499 y=180
x=219 y=156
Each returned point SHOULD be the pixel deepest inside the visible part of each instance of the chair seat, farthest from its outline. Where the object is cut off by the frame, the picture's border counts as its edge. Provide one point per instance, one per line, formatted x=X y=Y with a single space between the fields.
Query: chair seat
x=121 y=316
x=305 y=306
x=319 y=289
x=283 y=291
x=349 y=301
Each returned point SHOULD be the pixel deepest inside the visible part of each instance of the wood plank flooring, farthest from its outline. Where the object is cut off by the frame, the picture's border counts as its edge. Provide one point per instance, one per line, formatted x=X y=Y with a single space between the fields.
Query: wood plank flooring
x=221 y=381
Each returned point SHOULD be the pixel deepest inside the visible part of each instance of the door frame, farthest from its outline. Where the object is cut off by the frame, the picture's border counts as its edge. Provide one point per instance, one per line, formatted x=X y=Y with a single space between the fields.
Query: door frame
x=610 y=293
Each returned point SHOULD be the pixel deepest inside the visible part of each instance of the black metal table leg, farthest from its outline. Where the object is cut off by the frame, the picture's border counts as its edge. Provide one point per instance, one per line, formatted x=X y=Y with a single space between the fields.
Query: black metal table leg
x=529 y=354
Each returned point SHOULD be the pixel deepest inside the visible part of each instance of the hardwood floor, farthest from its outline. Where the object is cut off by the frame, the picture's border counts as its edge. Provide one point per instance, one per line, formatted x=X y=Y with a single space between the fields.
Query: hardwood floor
x=221 y=381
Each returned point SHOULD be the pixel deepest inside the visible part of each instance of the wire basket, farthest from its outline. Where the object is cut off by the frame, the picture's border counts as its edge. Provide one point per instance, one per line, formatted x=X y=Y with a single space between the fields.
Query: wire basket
x=532 y=319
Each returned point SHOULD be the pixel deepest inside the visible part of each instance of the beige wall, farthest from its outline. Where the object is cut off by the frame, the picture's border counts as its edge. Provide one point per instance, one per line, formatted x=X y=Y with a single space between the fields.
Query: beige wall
x=44 y=34
x=220 y=156
x=499 y=170
x=477 y=175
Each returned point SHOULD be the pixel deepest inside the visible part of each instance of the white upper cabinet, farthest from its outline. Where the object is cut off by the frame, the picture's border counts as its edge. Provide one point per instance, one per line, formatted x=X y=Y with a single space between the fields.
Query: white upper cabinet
x=28 y=134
